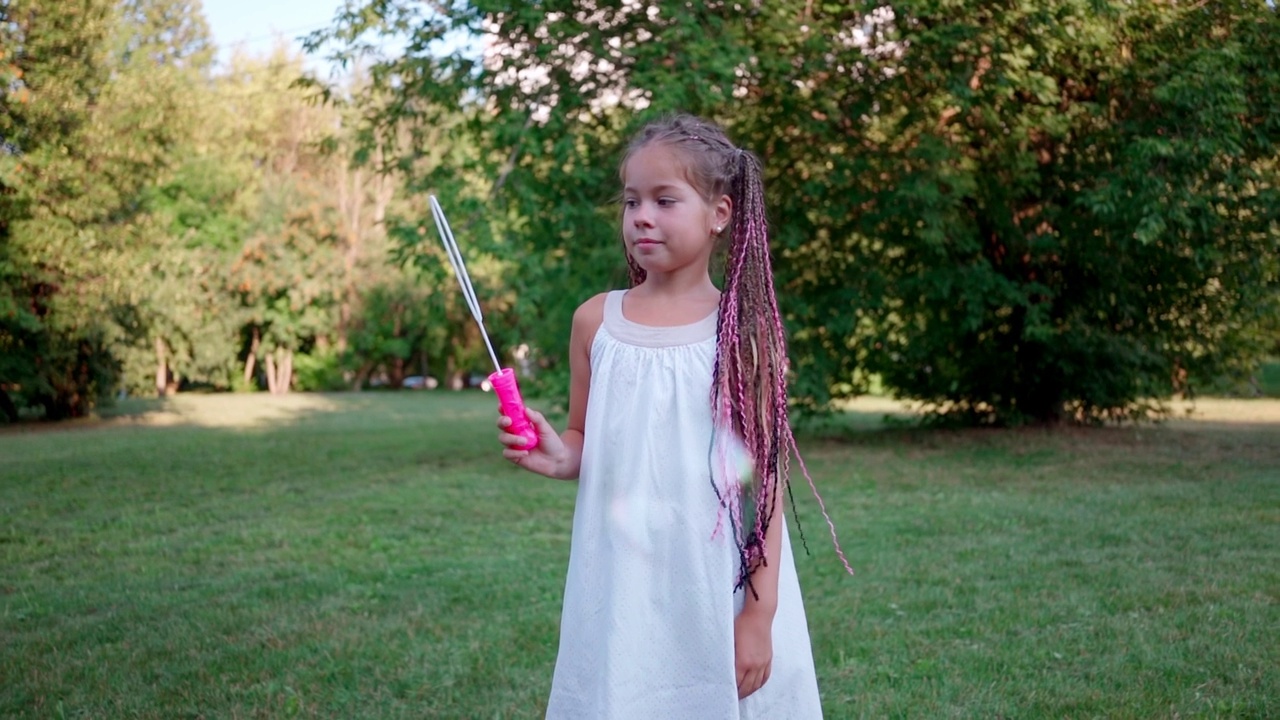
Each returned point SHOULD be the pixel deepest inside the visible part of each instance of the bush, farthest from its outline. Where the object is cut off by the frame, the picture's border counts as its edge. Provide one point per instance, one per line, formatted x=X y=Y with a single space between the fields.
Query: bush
x=318 y=371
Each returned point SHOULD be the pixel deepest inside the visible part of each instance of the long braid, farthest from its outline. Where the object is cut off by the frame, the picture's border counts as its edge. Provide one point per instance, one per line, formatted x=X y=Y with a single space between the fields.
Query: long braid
x=751 y=350
x=749 y=381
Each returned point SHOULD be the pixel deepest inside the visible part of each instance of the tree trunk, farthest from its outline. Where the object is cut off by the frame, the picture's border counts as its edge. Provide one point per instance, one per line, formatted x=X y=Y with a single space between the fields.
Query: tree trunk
x=361 y=376
x=454 y=379
x=279 y=374
x=285 y=381
x=162 y=370
x=251 y=361
x=271 y=373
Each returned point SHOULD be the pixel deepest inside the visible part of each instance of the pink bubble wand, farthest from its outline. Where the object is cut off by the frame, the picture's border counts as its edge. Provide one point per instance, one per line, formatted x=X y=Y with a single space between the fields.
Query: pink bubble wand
x=503 y=379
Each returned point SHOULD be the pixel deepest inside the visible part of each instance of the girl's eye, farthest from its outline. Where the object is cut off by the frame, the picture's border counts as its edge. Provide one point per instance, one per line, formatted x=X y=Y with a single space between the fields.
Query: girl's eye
x=665 y=202
x=631 y=202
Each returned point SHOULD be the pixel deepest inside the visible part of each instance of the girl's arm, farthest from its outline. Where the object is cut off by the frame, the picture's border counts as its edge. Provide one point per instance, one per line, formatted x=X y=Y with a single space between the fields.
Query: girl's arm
x=560 y=456
x=753 y=628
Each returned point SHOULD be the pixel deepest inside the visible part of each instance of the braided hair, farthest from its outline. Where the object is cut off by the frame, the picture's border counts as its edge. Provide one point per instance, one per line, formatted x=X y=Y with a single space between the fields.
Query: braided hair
x=749 y=384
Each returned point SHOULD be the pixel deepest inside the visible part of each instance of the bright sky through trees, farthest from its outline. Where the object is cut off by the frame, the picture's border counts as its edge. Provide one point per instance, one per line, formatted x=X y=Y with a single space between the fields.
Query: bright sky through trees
x=255 y=25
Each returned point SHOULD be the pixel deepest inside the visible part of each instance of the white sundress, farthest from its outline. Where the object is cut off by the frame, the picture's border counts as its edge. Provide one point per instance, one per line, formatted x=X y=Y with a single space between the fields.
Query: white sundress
x=649 y=604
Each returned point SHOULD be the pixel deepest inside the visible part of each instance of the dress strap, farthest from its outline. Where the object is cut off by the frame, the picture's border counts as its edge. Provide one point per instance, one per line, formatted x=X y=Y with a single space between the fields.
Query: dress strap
x=613 y=307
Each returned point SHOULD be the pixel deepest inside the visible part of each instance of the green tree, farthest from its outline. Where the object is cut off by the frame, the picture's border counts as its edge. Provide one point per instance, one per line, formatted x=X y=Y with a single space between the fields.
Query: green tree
x=180 y=313
x=1019 y=212
x=1076 y=209
x=289 y=278
x=59 y=256
x=102 y=102
x=389 y=331
x=403 y=148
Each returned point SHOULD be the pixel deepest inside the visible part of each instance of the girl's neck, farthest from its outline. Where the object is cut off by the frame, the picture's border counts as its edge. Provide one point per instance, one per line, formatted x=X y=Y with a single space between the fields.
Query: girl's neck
x=663 y=298
x=677 y=286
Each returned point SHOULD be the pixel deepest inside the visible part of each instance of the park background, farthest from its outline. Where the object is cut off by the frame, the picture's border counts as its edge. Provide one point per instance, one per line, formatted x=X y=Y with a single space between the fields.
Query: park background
x=1028 y=254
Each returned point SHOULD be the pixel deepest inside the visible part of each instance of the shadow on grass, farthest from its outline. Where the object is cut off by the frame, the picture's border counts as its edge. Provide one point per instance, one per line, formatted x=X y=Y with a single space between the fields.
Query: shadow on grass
x=1207 y=431
x=251 y=410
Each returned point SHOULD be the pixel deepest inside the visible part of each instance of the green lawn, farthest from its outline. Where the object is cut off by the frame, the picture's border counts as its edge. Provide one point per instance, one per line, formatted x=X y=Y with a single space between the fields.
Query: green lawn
x=372 y=556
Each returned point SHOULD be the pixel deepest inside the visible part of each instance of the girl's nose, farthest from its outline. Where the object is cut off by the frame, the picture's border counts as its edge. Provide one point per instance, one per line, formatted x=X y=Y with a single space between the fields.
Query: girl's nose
x=640 y=216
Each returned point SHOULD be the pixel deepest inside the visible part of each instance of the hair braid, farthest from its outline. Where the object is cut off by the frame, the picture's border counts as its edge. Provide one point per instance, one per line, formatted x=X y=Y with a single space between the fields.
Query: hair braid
x=749 y=380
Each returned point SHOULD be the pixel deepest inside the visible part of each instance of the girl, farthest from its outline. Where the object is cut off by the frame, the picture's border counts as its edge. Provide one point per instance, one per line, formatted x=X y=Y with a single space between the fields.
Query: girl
x=681 y=599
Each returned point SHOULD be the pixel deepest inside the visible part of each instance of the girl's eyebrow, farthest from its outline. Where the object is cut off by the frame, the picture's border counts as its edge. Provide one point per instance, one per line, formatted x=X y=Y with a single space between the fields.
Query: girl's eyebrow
x=656 y=188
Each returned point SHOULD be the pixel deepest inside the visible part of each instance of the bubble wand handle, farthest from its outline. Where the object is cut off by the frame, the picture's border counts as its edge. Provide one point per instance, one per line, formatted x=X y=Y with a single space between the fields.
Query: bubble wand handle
x=503 y=379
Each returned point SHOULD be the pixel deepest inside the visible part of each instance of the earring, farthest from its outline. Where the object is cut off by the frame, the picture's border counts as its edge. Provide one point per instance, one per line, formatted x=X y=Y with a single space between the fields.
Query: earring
x=718 y=229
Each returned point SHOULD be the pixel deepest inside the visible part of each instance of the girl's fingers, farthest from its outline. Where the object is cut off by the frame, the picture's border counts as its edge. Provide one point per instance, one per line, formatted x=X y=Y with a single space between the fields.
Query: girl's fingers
x=539 y=421
x=752 y=680
x=504 y=422
x=515 y=442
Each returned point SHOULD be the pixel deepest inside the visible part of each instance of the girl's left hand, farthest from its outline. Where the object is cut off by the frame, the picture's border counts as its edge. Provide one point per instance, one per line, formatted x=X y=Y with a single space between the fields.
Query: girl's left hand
x=550 y=458
x=752 y=650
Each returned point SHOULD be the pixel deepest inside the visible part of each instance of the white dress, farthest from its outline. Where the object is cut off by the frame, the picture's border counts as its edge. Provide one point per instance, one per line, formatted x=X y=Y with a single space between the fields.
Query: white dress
x=649 y=602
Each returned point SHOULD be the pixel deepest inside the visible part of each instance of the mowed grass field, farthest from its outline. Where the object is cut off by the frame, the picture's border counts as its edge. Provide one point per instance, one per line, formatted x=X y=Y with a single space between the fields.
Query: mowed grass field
x=372 y=556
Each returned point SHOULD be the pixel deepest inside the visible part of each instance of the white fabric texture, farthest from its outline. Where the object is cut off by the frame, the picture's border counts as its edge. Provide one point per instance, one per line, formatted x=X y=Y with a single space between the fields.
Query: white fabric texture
x=649 y=605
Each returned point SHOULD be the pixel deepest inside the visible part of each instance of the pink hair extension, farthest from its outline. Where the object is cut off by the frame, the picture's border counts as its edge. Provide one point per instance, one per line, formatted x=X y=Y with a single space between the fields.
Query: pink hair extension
x=749 y=383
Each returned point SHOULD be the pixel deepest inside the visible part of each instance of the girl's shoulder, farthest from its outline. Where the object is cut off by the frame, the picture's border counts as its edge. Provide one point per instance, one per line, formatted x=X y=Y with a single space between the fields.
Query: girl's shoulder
x=592 y=308
x=588 y=318
x=591 y=312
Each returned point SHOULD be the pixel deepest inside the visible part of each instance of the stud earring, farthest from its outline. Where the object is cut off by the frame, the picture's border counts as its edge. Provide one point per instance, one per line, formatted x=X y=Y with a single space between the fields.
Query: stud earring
x=718 y=229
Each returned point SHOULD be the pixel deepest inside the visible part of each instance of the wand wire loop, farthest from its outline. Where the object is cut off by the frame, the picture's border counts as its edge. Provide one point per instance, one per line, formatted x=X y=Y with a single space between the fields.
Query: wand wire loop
x=460 y=271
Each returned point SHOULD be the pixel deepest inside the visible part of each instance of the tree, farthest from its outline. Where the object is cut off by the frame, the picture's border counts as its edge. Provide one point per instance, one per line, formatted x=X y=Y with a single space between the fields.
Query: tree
x=180 y=315
x=289 y=280
x=416 y=146
x=1018 y=212
x=1075 y=207
x=54 y=217
x=103 y=100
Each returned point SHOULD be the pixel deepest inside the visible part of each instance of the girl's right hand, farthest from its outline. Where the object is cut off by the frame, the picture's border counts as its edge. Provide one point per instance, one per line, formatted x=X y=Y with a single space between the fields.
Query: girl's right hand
x=549 y=458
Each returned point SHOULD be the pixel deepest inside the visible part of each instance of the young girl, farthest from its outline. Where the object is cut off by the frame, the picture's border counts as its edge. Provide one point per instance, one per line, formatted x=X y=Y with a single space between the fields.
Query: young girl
x=681 y=599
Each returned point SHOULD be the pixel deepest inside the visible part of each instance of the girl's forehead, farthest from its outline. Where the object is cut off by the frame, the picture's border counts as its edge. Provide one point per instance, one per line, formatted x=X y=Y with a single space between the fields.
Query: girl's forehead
x=656 y=164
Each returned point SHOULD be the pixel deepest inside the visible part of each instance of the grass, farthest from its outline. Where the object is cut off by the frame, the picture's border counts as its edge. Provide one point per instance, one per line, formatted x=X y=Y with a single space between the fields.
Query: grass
x=371 y=556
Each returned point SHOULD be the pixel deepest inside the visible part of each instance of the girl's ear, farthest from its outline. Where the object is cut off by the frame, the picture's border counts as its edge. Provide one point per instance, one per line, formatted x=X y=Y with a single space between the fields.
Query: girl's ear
x=723 y=211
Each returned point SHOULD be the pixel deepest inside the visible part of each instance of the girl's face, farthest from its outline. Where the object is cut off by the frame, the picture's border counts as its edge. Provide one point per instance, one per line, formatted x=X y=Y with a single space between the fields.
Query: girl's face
x=667 y=224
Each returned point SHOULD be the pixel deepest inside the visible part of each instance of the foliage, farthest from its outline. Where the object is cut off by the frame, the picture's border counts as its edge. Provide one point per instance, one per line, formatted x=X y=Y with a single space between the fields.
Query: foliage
x=185 y=302
x=181 y=328
x=60 y=234
x=1028 y=211
x=93 y=253
x=1019 y=212
x=390 y=329
x=166 y=225
x=319 y=371
x=1084 y=206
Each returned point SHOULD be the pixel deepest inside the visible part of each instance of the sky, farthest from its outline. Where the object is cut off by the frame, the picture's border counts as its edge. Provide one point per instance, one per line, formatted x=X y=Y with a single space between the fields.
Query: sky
x=256 y=23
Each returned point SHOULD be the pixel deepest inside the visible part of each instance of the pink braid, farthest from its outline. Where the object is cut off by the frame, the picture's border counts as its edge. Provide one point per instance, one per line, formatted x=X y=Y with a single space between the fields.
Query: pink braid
x=749 y=382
